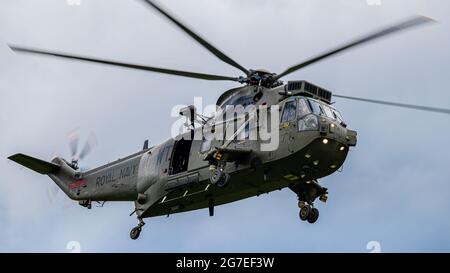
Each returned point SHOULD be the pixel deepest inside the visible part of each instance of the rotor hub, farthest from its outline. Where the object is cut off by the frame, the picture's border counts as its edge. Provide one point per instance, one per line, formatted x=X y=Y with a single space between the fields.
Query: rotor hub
x=261 y=77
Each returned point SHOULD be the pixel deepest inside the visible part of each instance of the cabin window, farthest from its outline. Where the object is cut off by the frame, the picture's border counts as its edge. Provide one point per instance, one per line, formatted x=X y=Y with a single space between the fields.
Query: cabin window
x=258 y=96
x=289 y=111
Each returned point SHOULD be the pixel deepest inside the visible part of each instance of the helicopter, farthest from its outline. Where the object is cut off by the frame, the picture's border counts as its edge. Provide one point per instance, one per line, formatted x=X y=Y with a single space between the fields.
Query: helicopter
x=187 y=173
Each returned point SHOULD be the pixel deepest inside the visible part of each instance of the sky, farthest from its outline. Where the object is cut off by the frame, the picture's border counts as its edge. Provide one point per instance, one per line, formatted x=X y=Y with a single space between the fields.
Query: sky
x=393 y=192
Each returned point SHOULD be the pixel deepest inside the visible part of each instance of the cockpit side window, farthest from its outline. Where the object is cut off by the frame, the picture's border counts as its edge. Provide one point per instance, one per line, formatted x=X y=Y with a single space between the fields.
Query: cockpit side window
x=289 y=111
x=328 y=112
x=338 y=116
x=303 y=108
x=315 y=106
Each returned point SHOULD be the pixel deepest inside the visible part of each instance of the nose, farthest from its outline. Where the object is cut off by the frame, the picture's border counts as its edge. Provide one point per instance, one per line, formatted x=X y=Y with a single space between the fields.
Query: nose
x=322 y=157
x=328 y=151
x=337 y=131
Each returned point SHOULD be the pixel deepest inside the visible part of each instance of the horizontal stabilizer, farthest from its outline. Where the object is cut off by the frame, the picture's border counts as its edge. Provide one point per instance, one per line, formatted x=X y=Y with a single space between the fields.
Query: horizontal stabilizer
x=37 y=165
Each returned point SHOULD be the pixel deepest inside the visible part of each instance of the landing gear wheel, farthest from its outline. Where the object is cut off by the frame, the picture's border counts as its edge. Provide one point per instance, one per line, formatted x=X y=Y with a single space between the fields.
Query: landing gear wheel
x=216 y=176
x=224 y=181
x=135 y=232
x=313 y=216
x=304 y=213
x=219 y=178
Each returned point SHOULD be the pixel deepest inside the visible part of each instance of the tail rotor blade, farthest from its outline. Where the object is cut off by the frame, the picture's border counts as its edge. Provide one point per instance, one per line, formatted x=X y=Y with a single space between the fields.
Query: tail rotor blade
x=89 y=146
x=54 y=155
x=74 y=139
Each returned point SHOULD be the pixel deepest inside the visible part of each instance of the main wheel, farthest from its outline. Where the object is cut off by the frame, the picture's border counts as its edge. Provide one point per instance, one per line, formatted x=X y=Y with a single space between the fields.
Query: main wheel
x=216 y=176
x=313 y=216
x=135 y=232
x=223 y=182
x=305 y=211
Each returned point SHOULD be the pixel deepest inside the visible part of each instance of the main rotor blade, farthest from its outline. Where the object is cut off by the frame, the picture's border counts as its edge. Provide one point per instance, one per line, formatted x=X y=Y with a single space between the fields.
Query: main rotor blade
x=409 y=23
x=403 y=105
x=188 y=74
x=219 y=54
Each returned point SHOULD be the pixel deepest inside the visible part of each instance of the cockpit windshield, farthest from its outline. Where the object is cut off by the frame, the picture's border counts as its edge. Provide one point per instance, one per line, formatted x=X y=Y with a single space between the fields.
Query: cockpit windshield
x=323 y=109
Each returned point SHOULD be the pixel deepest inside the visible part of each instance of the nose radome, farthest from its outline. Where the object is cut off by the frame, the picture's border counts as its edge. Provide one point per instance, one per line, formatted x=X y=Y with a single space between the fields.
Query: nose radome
x=322 y=157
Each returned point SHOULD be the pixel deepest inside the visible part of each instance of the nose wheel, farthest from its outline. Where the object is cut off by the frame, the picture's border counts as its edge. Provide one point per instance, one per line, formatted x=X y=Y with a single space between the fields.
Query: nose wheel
x=136 y=231
x=308 y=213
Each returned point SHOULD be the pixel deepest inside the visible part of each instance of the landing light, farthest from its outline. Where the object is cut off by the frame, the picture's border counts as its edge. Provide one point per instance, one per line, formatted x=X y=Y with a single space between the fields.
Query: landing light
x=325 y=141
x=333 y=166
x=316 y=162
x=307 y=155
x=342 y=148
x=332 y=125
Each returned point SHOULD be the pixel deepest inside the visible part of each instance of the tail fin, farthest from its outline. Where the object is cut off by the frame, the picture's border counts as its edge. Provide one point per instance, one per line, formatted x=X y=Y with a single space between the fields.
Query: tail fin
x=37 y=165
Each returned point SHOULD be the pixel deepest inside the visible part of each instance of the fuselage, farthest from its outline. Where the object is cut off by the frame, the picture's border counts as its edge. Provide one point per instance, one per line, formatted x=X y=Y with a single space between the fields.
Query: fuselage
x=174 y=176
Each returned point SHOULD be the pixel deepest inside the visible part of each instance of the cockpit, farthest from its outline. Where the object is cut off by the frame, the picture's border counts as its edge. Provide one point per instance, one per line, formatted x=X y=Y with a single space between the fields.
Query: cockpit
x=308 y=110
x=321 y=108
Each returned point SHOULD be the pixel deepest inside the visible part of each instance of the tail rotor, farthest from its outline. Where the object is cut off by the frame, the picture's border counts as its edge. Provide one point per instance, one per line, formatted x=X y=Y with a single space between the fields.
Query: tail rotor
x=74 y=140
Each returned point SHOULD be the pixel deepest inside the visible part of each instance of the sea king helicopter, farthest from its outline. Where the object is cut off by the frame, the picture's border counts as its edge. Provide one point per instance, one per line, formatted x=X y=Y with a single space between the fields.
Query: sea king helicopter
x=184 y=174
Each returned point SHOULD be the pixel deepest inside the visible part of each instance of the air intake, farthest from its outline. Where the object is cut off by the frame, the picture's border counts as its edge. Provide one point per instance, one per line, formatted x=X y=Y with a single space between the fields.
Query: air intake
x=310 y=90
